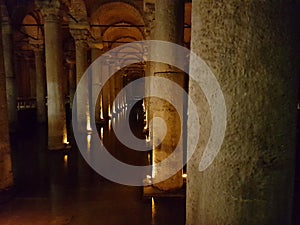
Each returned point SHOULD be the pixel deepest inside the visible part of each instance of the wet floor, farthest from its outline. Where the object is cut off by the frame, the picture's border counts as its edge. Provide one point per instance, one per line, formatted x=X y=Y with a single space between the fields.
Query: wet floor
x=59 y=187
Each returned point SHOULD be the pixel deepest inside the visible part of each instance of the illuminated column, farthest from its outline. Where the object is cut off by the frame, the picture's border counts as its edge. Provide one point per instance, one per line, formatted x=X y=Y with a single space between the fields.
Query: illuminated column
x=95 y=53
x=11 y=86
x=117 y=89
x=112 y=91
x=57 y=133
x=168 y=27
x=40 y=83
x=251 y=179
x=106 y=94
x=149 y=10
x=6 y=176
x=80 y=34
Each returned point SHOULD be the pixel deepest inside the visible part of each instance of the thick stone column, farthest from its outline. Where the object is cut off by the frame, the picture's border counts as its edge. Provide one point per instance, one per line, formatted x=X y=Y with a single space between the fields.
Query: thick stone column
x=80 y=34
x=6 y=176
x=57 y=133
x=149 y=12
x=40 y=83
x=248 y=47
x=11 y=86
x=168 y=27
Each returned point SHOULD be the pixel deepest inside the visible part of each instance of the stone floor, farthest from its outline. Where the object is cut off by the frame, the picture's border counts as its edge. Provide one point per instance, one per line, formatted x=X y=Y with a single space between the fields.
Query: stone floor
x=54 y=190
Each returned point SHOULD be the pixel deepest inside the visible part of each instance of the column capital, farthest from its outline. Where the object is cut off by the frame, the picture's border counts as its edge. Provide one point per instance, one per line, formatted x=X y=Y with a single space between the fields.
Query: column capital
x=80 y=33
x=37 y=47
x=49 y=9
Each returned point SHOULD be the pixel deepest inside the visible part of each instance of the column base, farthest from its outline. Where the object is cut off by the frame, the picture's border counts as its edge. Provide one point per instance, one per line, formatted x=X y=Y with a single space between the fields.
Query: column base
x=59 y=147
x=7 y=194
x=151 y=191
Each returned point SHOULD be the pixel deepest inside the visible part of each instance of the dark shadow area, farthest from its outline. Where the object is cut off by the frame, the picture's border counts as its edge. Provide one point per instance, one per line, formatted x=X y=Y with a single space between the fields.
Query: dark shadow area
x=59 y=187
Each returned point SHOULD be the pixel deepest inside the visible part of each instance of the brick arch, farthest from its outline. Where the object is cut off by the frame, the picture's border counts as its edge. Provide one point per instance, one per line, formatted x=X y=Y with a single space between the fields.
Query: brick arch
x=113 y=13
x=33 y=32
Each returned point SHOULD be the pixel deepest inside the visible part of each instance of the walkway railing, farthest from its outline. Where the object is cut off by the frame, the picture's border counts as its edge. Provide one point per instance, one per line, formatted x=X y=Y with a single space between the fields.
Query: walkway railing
x=26 y=103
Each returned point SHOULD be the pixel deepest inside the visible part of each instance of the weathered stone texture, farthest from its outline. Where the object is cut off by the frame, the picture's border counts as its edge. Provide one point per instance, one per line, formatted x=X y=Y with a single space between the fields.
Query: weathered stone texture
x=54 y=71
x=168 y=27
x=246 y=45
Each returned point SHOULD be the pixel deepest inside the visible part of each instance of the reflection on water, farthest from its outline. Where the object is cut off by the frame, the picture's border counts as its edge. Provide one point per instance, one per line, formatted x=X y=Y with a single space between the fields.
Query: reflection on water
x=153 y=211
x=52 y=184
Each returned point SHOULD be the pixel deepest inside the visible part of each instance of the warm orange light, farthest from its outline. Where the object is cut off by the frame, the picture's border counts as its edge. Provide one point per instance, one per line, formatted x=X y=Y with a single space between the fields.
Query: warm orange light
x=184 y=175
x=88 y=141
x=109 y=125
x=153 y=209
x=88 y=122
x=65 y=137
x=101 y=133
x=101 y=107
x=109 y=111
x=65 y=159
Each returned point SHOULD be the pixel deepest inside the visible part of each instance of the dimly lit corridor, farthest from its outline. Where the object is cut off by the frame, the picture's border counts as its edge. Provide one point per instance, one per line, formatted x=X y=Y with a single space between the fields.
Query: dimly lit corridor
x=204 y=96
x=59 y=188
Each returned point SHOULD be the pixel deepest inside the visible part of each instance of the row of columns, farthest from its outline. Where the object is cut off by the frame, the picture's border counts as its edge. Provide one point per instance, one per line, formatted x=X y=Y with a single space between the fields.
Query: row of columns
x=252 y=177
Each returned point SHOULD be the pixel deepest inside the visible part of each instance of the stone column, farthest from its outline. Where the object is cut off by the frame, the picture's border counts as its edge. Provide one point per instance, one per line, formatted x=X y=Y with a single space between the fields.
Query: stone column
x=149 y=12
x=169 y=22
x=80 y=34
x=57 y=133
x=40 y=83
x=6 y=176
x=112 y=92
x=106 y=95
x=117 y=89
x=72 y=80
x=95 y=53
x=248 y=48
x=11 y=86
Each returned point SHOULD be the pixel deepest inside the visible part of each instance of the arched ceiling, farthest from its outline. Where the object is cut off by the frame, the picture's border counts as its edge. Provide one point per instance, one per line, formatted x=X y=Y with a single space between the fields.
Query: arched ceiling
x=114 y=33
x=34 y=32
x=116 y=20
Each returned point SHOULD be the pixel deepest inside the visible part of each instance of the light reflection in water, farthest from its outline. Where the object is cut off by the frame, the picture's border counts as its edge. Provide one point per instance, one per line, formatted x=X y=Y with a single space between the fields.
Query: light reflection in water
x=101 y=133
x=153 y=210
x=88 y=142
x=109 y=124
x=66 y=161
